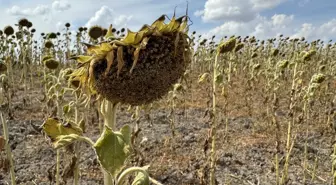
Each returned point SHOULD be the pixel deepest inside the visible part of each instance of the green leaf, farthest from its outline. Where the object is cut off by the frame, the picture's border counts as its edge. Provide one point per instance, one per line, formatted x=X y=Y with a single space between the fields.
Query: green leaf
x=141 y=179
x=113 y=148
x=126 y=133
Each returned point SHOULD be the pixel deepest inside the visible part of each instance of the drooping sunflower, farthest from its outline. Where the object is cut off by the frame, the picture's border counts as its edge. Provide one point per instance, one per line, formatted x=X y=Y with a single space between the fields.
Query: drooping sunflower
x=139 y=68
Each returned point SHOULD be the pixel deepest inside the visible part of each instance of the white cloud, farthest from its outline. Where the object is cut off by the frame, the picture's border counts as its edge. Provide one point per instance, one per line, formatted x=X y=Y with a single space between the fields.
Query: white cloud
x=199 y=13
x=106 y=16
x=261 y=27
x=264 y=28
x=306 y=30
x=282 y=19
x=324 y=31
x=122 y=20
x=61 y=5
x=238 y=10
x=328 y=28
x=227 y=10
x=265 y=4
x=38 y=10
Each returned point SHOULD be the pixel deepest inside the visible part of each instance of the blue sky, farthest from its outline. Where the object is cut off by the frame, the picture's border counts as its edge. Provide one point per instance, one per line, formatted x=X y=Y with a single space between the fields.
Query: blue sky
x=263 y=18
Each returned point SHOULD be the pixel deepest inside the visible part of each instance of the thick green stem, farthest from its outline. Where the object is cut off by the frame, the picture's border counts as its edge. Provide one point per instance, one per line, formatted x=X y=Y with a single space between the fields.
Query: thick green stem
x=8 y=150
x=109 y=111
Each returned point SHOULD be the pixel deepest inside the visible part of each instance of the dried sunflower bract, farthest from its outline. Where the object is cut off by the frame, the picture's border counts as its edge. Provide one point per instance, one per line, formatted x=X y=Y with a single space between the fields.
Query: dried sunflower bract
x=139 y=68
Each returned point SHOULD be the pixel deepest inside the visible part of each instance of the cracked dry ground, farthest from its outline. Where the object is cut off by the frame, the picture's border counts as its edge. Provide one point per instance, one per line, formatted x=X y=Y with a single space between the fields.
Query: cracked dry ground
x=245 y=150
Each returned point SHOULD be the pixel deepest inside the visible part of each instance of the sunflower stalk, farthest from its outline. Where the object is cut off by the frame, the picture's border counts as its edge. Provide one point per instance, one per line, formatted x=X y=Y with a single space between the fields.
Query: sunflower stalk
x=76 y=147
x=333 y=167
x=8 y=150
x=290 y=125
x=214 y=124
x=109 y=111
x=58 y=162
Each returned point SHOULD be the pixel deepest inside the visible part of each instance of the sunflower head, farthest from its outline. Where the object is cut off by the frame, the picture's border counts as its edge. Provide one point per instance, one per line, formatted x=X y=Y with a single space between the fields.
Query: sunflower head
x=227 y=46
x=9 y=30
x=23 y=22
x=139 y=68
x=95 y=32
x=50 y=62
x=48 y=44
x=29 y=25
x=52 y=35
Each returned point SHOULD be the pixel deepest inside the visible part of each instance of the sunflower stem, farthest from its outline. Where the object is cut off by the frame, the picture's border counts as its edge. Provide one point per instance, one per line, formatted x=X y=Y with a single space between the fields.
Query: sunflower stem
x=8 y=150
x=77 y=146
x=57 y=167
x=109 y=111
x=213 y=126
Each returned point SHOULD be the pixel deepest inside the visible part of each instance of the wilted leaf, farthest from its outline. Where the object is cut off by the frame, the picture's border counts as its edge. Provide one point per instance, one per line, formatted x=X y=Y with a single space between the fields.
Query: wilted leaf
x=54 y=128
x=65 y=140
x=109 y=58
x=173 y=25
x=113 y=148
x=109 y=33
x=159 y=23
x=141 y=178
x=82 y=59
x=203 y=77
x=130 y=37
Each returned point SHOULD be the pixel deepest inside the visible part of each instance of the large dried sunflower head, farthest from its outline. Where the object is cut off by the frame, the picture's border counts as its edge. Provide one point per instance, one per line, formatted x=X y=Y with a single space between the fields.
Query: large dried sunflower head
x=141 y=67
